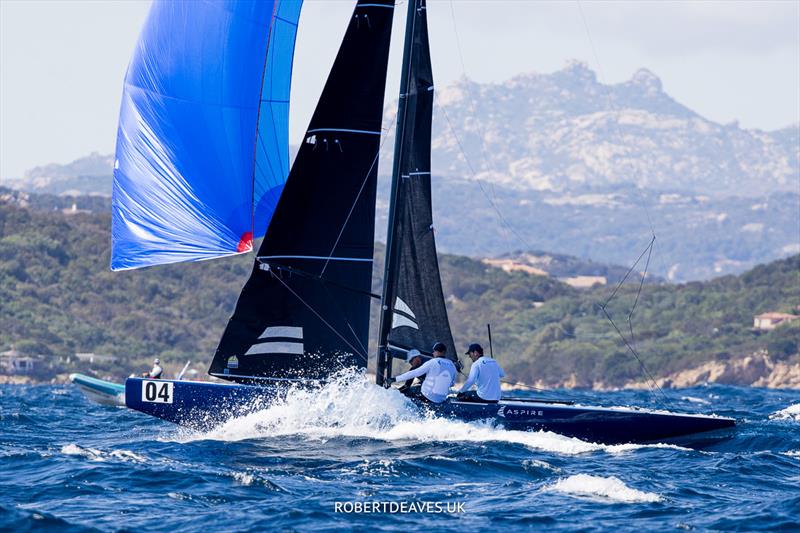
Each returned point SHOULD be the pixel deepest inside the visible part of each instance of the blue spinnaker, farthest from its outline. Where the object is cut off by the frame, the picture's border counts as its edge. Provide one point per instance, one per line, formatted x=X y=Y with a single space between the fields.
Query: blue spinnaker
x=202 y=146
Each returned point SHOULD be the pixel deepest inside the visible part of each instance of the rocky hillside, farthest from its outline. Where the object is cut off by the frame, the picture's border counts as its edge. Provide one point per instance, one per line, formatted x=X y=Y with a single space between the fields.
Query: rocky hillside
x=566 y=131
x=90 y=175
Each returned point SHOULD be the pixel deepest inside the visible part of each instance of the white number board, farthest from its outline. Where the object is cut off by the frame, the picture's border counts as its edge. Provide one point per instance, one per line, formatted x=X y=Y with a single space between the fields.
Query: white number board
x=157 y=391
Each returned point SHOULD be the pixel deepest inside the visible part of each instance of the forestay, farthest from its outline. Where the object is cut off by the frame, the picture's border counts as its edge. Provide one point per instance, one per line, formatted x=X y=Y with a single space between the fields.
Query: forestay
x=202 y=145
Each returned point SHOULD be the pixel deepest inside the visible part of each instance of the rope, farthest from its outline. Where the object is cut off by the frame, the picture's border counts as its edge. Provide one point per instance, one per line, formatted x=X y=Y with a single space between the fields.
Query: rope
x=355 y=200
x=648 y=250
x=355 y=350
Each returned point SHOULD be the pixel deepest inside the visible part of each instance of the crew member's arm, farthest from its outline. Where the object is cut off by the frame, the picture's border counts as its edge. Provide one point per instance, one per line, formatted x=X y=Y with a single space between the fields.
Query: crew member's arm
x=473 y=375
x=415 y=373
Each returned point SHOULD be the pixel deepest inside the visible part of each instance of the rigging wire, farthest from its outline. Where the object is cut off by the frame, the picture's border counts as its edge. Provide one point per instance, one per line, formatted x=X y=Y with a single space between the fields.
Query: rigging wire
x=355 y=200
x=642 y=202
x=609 y=102
x=322 y=319
x=630 y=343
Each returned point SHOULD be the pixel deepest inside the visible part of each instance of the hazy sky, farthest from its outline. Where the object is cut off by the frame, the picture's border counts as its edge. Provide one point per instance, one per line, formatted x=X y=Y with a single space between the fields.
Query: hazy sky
x=62 y=62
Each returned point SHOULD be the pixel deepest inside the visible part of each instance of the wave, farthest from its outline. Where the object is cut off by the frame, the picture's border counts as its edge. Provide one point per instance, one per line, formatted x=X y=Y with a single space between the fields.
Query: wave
x=100 y=456
x=351 y=406
x=790 y=413
x=693 y=399
x=608 y=489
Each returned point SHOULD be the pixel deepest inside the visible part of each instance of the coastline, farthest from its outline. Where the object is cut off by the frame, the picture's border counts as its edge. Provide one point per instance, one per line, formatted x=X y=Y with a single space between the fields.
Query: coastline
x=755 y=370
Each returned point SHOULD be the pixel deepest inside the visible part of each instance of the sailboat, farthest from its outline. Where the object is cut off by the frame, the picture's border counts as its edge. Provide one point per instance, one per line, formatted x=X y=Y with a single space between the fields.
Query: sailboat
x=303 y=314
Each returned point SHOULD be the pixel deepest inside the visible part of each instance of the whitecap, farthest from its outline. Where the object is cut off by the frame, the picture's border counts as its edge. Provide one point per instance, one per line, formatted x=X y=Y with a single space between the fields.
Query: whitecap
x=127 y=455
x=694 y=399
x=98 y=455
x=244 y=478
x=790 y=413
x=536 y=464
x=89 y=453
x=607 y=489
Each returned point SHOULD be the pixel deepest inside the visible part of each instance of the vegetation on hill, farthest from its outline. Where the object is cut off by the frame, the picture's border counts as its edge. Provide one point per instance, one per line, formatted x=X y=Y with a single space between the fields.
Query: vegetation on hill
x=674 y=327
x=57 y=297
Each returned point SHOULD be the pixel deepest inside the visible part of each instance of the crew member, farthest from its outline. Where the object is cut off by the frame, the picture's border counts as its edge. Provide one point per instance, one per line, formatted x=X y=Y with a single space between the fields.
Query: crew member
x=486 y=373
x=440 y=350
x=156 y=371
x=440 y=375
x=413 y=358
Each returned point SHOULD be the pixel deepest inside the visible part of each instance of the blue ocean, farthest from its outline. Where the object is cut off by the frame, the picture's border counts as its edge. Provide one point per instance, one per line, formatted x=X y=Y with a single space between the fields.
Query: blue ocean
x=356 y=456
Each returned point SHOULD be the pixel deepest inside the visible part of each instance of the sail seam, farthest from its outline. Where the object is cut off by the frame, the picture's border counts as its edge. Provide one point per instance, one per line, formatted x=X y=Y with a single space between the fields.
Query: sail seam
x=252 y=206
x=345 y=130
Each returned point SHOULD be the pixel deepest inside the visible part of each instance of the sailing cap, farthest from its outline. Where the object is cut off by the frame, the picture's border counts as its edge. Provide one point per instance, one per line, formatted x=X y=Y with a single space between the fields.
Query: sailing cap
x=439 y=347
x=474 y=347
x=411 y=354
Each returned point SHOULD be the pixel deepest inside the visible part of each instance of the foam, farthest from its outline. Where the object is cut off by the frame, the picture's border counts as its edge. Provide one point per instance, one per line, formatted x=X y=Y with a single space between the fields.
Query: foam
x=693 y=399
x=352 y=406
x=606 y=489
x=100 y=456
x=244 y=478
x=790 y=413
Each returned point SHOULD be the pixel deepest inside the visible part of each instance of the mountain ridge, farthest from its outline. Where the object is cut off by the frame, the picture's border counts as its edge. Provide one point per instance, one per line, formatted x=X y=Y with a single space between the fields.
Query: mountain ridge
x=562 y=130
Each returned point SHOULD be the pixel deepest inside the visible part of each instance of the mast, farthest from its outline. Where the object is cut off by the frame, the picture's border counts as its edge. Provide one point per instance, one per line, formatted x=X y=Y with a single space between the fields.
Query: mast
x=383 y=369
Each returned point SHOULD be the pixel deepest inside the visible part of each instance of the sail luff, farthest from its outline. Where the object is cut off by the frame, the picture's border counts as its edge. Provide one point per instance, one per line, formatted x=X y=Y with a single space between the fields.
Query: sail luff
x=383 y=366
x=414 y=314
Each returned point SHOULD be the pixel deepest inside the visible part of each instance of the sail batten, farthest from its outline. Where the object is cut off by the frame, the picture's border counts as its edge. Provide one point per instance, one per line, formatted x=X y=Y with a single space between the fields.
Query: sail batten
x=314 y=267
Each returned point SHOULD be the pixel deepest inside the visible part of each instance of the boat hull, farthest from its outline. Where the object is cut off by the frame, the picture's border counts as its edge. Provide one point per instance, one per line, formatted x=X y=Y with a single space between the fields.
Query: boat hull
x=595 y=424
x=100 y=391
x=202 y=405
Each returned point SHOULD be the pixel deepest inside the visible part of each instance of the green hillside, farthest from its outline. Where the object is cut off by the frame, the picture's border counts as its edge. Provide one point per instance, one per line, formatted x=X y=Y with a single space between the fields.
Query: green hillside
x=57 y=297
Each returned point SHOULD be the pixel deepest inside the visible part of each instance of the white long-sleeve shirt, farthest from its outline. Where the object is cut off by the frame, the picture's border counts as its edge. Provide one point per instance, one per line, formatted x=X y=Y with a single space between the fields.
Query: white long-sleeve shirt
x=156 y=371
x=487 y=373
x=440 y=375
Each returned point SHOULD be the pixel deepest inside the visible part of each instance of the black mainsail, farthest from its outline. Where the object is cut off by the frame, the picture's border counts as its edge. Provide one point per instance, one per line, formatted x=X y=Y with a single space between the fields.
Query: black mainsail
x=304 y=312
x=413 y=311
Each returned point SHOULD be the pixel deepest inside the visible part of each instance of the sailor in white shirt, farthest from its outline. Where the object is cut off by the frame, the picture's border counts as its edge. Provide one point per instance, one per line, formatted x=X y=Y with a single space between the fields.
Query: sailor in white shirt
x=486 y=373
x=156 y=372
x=440 y=375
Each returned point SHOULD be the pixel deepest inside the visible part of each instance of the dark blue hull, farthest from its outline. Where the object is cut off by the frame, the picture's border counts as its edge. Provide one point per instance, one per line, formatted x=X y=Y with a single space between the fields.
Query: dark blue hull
x=202 y=405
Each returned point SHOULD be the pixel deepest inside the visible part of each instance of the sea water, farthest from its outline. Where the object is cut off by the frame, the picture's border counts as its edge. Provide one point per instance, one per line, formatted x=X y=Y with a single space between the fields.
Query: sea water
x=357 y=456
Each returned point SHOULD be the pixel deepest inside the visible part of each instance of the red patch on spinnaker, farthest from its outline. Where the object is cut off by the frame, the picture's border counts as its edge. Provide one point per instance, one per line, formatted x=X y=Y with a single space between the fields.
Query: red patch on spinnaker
x=246 y=242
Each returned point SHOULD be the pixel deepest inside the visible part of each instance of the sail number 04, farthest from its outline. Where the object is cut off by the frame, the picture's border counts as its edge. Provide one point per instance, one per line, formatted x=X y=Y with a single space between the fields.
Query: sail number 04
x=157 y=391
